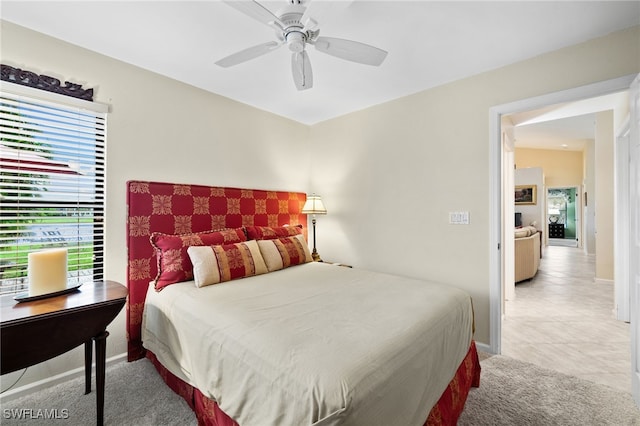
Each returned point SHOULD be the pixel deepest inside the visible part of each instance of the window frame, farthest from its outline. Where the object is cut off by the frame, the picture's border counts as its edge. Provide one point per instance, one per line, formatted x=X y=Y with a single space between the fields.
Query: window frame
x=96 y=199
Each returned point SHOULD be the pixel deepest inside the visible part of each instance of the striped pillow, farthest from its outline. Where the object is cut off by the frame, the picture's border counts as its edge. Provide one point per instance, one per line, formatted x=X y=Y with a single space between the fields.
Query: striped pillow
x=281 y=253
x=220 y=263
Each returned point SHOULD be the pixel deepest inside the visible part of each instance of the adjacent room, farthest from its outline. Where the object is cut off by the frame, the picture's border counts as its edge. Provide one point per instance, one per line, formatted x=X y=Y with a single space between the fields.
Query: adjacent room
x=566 y=294
x=302 y=211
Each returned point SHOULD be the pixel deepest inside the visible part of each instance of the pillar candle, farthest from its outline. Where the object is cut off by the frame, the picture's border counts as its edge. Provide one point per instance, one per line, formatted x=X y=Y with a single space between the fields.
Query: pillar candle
x=47 y=271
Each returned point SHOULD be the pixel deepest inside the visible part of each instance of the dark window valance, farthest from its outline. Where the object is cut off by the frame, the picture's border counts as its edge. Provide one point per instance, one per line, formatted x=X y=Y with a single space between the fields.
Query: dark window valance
x=44 y=82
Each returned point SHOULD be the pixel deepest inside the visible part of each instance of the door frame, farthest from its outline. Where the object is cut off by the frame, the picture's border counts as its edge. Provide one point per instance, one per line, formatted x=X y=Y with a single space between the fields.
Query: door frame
x=621 y=222
x=634 y=235
x=496 y=227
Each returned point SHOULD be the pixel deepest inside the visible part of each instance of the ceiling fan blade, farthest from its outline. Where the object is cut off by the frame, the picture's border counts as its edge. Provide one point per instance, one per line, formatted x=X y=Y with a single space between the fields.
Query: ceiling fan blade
x=248 y=54
x=301 y=69
x=256 y=11
x=350 y=50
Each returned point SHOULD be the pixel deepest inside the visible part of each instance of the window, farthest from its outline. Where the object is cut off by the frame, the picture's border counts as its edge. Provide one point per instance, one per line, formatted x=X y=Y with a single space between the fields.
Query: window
x=52 y=183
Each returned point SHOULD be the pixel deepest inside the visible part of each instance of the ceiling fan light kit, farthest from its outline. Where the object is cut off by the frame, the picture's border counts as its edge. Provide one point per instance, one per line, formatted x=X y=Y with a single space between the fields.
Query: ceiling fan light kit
x=295 y=41
x=296 y=29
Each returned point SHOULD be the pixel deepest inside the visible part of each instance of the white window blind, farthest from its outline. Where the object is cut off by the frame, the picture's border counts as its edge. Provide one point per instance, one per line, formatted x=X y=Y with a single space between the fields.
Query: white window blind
x=52 y=185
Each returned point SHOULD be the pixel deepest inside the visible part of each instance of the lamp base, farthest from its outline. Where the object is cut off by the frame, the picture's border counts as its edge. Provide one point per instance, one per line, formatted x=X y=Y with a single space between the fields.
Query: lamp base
x=316 y=257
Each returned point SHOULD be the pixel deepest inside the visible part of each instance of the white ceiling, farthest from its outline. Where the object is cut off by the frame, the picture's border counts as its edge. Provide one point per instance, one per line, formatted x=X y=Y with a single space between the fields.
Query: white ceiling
x=566 y=126
x=570 y=134
x=429 y=43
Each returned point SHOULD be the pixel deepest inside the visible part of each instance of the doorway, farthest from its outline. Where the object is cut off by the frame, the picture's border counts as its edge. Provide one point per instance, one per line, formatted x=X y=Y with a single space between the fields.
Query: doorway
x=563 y=216
x=499 y=258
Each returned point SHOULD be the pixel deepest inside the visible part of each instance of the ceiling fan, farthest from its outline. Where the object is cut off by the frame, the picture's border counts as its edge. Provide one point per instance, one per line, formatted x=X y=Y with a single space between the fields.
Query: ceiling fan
x=295 y=28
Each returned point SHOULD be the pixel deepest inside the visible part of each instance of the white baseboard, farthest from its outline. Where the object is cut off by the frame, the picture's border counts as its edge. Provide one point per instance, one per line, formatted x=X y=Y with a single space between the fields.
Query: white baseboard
x=54 y=380
x=484 y=348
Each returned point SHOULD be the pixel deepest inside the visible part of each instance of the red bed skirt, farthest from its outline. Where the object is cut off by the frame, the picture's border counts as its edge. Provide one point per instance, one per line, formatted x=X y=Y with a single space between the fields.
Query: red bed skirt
x=444 y=413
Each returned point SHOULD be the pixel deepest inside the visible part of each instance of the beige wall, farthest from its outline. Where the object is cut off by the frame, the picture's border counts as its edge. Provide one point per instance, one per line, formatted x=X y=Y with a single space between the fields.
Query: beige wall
x=604 y=195
x=561 y=168
x=160 y=129
x=389 y=174
x=532 y=212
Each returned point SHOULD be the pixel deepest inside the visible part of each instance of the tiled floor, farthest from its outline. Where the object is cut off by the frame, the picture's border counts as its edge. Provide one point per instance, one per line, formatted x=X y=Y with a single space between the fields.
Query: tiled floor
x=563 y=320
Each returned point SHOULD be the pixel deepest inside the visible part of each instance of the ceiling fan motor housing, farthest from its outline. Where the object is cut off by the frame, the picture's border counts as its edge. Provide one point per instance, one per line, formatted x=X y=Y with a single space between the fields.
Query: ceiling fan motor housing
x=295 y=41
x=293 y=32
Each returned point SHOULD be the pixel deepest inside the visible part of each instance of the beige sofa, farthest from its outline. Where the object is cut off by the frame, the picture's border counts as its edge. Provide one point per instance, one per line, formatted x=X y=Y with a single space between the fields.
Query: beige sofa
x=527 y=253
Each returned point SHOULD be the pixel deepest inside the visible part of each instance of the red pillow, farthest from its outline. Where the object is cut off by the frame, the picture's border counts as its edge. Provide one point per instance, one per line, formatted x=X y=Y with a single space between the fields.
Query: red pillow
x=270 y=232
x=174 y=264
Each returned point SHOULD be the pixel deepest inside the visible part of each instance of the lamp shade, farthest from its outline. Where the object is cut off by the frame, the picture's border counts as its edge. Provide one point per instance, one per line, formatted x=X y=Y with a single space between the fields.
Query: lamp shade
x=314 y=205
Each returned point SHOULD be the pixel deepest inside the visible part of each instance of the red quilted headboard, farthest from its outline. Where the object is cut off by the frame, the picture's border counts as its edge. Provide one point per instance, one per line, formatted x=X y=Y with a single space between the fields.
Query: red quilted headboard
x=178 y=209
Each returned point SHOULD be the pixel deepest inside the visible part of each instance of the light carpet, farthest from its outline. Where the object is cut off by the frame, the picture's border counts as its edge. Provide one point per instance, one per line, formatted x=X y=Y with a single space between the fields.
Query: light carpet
x=134 y=395
x=514 y=392
x=511 y=392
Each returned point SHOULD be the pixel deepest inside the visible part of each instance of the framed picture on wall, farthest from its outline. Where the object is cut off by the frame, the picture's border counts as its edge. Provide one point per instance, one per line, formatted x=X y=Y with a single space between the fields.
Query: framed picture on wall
x=526 y=194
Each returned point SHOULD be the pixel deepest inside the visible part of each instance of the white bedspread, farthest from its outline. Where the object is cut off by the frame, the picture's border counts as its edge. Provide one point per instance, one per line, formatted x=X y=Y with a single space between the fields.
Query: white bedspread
x=313 y=344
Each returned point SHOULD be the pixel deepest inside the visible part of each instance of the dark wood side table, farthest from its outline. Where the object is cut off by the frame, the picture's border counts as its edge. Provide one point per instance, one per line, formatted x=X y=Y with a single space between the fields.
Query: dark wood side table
x=32 y=332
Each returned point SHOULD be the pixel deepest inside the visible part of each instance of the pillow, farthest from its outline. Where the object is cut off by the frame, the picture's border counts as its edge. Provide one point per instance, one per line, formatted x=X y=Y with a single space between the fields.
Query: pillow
x=525 y=231
x=219 y=263
x=171 y=250
x=269 y=232
x=281 y=253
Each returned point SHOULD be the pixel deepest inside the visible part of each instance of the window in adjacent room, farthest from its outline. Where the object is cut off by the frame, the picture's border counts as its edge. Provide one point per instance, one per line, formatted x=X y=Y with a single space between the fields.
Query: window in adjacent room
x=52 y=183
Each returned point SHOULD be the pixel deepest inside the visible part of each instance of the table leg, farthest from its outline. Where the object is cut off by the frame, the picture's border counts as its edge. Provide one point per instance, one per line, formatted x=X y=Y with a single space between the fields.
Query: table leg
x=101 y=352
x=88 y=355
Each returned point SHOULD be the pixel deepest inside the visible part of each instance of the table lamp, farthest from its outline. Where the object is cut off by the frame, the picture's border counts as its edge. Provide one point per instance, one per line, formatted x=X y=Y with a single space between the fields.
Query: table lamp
x=314 y=206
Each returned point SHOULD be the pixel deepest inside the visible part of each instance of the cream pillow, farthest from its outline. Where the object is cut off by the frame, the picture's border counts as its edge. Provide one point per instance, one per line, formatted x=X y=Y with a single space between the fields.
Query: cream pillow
x=219 y=263
x=532 y=229
x=281 y=253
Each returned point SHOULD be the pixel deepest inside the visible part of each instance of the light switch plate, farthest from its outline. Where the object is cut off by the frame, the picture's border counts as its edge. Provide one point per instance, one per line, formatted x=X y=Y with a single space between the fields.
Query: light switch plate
x=459 y=218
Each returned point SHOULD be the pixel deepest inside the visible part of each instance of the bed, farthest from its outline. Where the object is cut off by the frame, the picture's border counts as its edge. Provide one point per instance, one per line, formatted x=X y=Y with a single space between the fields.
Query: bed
x=279 y=339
